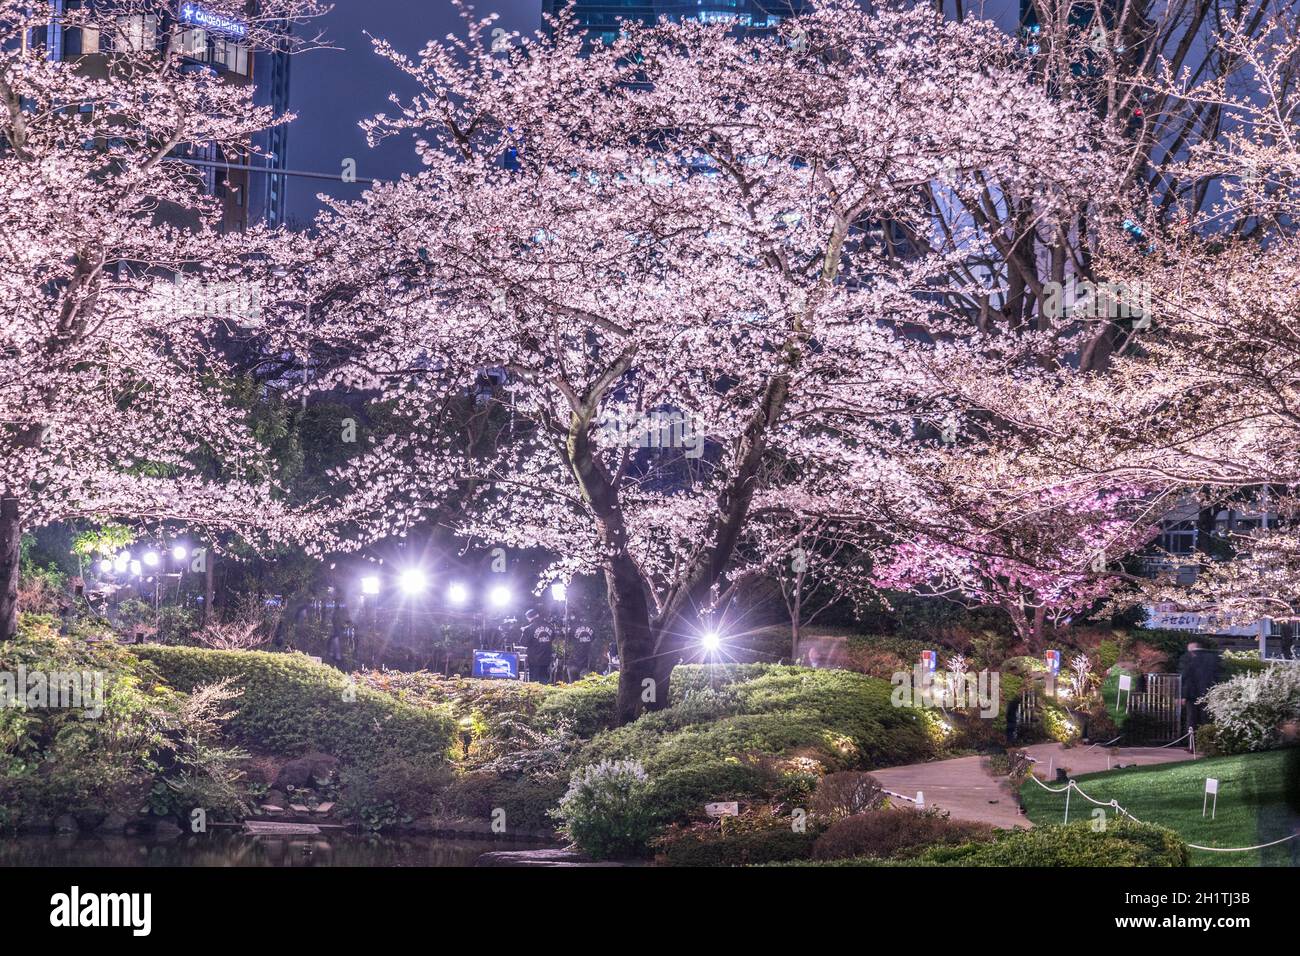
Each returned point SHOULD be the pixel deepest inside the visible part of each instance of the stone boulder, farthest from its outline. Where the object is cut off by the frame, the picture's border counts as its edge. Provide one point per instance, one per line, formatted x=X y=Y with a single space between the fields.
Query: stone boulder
x=305 y=771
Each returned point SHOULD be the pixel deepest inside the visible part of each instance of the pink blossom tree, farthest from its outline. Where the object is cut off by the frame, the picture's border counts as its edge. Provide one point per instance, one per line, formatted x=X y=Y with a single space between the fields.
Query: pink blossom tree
x=687 y=223
x=116 y=282
x=1039 y=562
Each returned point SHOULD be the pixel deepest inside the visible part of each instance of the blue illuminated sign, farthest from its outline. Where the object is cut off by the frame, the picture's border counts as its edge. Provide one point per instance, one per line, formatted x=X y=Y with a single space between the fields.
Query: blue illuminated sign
x=199 y=16
x=496 y=664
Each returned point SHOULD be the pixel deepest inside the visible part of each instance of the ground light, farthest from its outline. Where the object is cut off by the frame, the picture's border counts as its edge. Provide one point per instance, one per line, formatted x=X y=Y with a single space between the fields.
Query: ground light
x=500 y=595
x=151 y=558
x=105 y=566
x=457 y=593
x=413 y=581
x=370 y=584
x=122 y=562
x=179 y=552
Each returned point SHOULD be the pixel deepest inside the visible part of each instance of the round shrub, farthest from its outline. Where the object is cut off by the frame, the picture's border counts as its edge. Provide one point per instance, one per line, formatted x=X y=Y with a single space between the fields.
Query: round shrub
x=607 y=810
x=1122 y=843
x=1249 y=710
x=844 y=794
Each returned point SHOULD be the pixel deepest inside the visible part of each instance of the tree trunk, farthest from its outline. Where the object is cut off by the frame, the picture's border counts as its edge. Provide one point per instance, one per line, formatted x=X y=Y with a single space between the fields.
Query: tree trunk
x=796 y=612
x=644 y=666
x=11 y=534
x=209 y=588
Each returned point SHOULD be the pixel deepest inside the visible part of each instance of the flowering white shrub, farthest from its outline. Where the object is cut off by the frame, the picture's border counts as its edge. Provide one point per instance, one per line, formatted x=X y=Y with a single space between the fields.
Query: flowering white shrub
x=1249 y=709
x=607 y=810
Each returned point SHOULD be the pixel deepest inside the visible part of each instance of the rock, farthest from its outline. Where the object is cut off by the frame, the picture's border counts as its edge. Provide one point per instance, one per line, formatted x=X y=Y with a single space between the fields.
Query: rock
x=325 y=807
x=66 y=824
x=272 y=808
x=305 y=771
x=113 y=823
x=166 y=829
x=299 y=808
x=276 y=797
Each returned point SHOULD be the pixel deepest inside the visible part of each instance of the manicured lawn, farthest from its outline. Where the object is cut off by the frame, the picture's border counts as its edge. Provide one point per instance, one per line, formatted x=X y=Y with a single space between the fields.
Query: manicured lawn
x=1252 y=809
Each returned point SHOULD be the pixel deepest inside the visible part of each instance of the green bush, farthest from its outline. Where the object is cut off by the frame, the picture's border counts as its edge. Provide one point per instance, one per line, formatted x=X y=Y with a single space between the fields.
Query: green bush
x=588 y=703
x=841 y=720
x=395 y=791
x=774 y=840
x=150 y=750
x=292 y=705
x=607 y=810
x=1122 y=843
x=895 y=832
x=1107 y=655
x=527 y=801
x=681 y=793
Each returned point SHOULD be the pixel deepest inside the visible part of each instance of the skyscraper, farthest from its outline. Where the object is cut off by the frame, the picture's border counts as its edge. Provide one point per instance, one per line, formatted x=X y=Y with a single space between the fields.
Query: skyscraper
x=206 y=41
x=600 y=18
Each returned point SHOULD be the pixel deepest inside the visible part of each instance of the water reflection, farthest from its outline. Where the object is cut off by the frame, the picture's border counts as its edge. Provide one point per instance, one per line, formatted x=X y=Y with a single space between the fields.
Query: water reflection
x=234 y=848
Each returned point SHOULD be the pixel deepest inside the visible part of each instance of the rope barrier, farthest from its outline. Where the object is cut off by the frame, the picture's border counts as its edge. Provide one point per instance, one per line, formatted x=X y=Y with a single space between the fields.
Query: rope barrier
x=1114 y=805
x=1106 y=744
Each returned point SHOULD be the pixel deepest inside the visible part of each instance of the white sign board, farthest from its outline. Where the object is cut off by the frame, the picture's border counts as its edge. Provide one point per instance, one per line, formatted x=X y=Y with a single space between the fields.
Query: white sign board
x=731 y=809
x=1165 y=617
x=1211 y=787
x=1125 y=682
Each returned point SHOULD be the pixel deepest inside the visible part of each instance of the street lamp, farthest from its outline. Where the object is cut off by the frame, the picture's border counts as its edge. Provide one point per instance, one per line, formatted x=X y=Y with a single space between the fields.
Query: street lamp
x=106 y=566
x=151 y=558
x=179 y=552
x=711 y=642
x=412 y=581
x=122 y=562
x=499 y=596
x=370 y=585
x=457 y=593
x=559 y=591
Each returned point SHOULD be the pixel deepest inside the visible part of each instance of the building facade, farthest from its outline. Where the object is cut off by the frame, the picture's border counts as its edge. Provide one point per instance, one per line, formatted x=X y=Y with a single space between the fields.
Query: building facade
x=600 y=18
x=206 y=41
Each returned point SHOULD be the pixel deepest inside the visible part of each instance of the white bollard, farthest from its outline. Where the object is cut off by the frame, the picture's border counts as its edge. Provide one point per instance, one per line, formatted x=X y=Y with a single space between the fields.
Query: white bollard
x=920 y=800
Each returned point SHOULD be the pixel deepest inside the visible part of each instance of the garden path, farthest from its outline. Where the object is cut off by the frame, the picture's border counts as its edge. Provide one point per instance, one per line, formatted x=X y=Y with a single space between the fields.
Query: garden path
x=966 y=788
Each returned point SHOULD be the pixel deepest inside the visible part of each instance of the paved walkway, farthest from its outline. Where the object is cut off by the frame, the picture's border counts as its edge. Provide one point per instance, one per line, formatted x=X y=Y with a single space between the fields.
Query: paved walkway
x=968 y=791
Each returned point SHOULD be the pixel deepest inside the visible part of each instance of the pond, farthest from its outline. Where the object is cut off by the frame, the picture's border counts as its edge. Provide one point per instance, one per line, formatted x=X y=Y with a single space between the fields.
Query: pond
x=229 y=847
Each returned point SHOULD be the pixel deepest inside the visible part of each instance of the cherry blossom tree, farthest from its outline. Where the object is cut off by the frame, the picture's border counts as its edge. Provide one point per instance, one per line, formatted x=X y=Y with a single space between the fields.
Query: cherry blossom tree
x=682 y=251
x=117 y=287
x=1040 y=564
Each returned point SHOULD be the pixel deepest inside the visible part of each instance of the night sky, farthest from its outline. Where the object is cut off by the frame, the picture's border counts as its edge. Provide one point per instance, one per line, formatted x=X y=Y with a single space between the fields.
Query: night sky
x=331 y=90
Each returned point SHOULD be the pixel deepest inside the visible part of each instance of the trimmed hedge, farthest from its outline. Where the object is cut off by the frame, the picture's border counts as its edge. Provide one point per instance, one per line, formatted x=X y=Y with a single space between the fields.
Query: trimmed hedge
x=1122 y=843
x=771 y=844
x=292 y=705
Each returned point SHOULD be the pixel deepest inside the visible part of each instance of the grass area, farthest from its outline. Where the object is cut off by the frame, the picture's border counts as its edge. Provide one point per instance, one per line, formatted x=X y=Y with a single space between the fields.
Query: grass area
x=1252 y=807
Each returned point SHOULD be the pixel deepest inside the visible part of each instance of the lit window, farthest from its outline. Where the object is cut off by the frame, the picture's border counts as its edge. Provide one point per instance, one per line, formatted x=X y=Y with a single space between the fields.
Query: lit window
x=194 y=43
x=137 y=32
